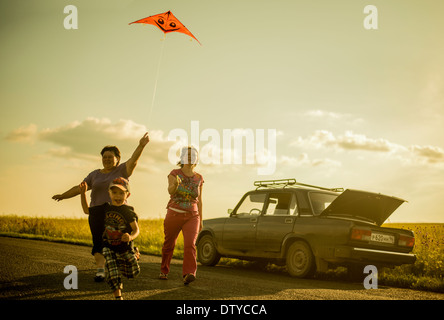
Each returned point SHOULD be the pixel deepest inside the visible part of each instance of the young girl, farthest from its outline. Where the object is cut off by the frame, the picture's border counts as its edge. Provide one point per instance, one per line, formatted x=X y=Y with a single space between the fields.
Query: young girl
x=184 y=214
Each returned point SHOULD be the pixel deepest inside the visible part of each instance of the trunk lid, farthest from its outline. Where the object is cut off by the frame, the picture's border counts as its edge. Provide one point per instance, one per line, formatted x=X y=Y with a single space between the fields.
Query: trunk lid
x=364 y=205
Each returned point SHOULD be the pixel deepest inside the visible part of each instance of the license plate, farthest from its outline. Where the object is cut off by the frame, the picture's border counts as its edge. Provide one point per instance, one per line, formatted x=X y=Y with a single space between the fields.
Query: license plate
x=384 y=238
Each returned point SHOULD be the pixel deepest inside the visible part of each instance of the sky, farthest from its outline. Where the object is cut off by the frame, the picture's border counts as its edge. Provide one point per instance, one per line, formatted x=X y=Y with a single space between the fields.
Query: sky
x=337 y=103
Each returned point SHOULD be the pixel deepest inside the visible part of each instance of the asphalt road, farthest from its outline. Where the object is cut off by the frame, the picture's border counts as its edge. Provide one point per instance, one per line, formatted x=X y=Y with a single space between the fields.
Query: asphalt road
x=34 y=270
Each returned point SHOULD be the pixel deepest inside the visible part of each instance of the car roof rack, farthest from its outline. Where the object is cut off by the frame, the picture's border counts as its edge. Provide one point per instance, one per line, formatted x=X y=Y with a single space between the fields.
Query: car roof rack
x=274 y=183
x=282 y=183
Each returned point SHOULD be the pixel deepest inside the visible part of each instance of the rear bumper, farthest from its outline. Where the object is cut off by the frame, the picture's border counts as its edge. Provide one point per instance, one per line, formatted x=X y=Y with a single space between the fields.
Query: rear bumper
x=364 y=255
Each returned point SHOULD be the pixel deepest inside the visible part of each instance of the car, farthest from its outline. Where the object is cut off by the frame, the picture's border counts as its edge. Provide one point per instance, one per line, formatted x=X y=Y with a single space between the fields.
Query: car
x=308 y=228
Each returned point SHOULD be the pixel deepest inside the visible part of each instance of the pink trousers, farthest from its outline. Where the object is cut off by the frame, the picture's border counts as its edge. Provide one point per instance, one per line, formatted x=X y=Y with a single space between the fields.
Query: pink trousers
x=188 y=223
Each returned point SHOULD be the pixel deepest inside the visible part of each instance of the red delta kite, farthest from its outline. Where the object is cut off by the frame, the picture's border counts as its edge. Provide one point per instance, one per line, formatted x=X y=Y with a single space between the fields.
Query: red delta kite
x=166 y=22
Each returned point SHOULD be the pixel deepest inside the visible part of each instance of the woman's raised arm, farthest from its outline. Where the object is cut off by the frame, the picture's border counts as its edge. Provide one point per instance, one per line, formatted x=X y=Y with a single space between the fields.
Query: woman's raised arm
x=132 y=162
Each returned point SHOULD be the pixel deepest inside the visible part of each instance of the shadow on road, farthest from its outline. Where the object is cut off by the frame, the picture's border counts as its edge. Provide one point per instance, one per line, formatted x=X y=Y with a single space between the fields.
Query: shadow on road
x=218 y=282
x=223 y=282
x=50 y=287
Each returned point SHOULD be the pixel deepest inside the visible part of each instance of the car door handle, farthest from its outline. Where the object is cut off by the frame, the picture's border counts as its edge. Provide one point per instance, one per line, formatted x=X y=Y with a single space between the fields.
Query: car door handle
x=253 y=220
x=288 y=220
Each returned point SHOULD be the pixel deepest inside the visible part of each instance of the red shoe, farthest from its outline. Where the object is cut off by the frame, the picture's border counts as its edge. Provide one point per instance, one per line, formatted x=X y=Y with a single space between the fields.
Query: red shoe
x=188 y=278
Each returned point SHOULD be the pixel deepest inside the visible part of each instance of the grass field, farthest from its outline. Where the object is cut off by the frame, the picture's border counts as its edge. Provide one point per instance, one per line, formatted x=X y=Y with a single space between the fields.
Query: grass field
x=426 y=274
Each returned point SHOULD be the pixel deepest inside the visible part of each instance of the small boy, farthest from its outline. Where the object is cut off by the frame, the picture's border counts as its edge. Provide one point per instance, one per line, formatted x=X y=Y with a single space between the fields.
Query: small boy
x=121 y=229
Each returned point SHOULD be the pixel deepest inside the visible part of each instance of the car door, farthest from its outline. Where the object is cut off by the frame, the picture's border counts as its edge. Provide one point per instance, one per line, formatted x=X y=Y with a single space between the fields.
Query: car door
x=240 y=229
x=276 y=221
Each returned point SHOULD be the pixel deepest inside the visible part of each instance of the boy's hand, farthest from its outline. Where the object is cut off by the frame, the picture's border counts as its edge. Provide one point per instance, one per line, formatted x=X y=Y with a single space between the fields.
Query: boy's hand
x=83 y=187
x=126 y=237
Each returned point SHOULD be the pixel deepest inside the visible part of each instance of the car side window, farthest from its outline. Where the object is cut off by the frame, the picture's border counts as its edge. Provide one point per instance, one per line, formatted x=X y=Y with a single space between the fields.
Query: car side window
x=283 y=203
x=252 y=205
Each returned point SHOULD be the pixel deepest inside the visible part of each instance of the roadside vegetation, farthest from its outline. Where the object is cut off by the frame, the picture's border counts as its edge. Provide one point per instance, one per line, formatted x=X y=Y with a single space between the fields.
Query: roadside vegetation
x=427 y=273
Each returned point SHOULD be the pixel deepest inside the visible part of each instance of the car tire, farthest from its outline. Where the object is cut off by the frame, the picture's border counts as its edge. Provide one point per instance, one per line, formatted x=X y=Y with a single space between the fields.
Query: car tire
x=206 y=251
x=300 y=261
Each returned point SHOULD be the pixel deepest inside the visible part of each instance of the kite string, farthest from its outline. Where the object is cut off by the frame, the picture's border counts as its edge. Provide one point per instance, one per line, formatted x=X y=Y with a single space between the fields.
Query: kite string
x=157 y=78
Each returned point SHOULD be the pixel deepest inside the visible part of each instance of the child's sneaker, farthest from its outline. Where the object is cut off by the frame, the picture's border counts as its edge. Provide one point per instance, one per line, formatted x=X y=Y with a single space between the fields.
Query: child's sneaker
x=100 y=275
x=163 y=276
x=188 y=278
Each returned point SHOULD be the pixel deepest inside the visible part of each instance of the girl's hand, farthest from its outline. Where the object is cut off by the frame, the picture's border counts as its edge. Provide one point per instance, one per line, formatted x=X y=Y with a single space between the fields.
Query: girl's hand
x=178 y=181
x=173 y=183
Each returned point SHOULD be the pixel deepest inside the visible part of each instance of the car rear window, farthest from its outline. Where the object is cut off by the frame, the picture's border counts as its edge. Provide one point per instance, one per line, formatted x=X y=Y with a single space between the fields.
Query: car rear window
x=320 y=201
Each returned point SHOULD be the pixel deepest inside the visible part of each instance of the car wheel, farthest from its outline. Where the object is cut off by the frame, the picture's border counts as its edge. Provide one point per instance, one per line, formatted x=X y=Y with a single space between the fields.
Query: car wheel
x=300 y=260
x=206 y=251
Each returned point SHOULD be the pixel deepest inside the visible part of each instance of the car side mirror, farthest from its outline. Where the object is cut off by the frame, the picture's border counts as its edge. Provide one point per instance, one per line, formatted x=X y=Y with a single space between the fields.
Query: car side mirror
x=230 y=211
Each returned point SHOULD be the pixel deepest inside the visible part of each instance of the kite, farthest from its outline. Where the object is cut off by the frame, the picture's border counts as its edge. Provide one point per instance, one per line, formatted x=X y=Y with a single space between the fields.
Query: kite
x=166 y=22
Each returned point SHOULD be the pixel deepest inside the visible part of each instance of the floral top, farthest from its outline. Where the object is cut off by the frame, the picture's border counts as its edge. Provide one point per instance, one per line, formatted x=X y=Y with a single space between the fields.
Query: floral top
x=187 y=195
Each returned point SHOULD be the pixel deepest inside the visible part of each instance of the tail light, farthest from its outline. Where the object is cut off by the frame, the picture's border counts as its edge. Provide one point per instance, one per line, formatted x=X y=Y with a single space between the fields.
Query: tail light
x=406 y=241
x=361 y=234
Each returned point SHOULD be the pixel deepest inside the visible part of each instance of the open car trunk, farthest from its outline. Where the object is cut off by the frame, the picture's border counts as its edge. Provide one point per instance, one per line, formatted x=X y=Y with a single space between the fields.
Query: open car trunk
x=365 y=205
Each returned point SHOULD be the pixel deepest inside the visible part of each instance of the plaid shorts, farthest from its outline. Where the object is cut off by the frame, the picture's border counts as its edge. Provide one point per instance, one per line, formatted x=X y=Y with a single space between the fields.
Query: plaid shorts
x=118 y=265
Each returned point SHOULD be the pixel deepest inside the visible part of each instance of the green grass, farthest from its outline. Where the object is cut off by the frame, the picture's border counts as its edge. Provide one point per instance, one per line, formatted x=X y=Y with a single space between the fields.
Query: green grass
x=77 y=231
x=427 y=273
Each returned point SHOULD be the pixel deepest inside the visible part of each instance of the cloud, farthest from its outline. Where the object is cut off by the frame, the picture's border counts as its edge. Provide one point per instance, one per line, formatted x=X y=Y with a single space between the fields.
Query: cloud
x=83 y=140
x=349 y=141
x=352 y=141
x=26 y=134
x=430 y=154
x=90 y=135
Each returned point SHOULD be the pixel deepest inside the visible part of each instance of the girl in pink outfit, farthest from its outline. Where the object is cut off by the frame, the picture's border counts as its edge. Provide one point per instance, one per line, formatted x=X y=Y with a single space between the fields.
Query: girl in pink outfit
x=184 y=214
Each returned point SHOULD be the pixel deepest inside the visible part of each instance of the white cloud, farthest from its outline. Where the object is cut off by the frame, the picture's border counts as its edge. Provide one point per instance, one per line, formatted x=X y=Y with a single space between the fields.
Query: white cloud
x=352 y=141
x=25 y=134
x=430 y=154
x=349 y=141
x=83 y=140
x=90 y=134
